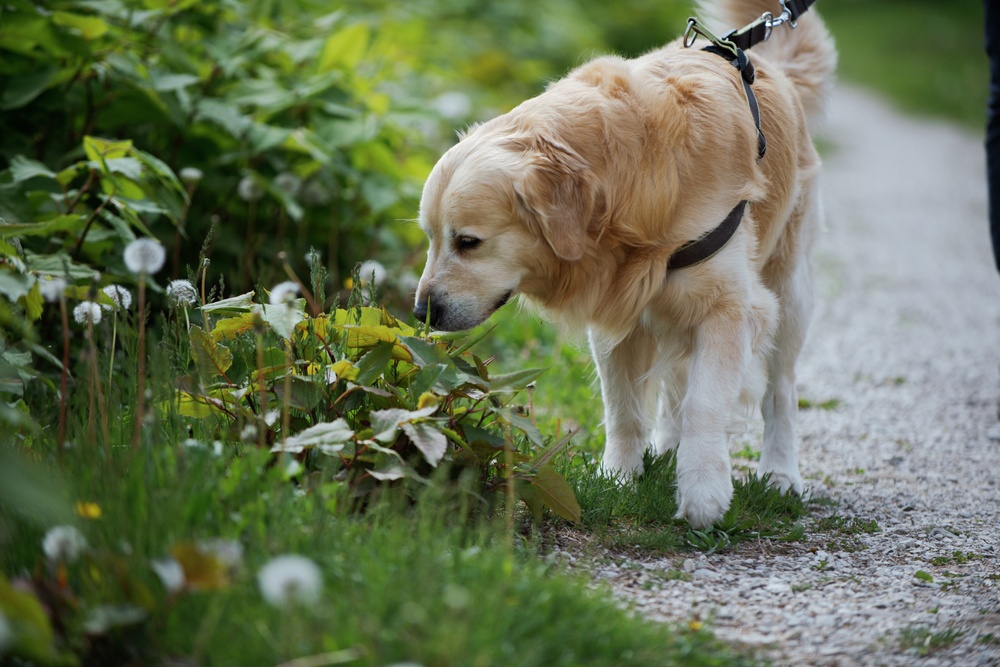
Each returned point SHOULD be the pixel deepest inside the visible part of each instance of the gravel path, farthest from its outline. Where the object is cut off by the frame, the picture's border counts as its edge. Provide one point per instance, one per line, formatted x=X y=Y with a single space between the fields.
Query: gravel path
x=905 y=358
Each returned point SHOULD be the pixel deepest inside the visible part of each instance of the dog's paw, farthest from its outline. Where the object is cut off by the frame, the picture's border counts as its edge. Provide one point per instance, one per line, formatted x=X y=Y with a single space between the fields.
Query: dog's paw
x=786 y=482
x=703 y=500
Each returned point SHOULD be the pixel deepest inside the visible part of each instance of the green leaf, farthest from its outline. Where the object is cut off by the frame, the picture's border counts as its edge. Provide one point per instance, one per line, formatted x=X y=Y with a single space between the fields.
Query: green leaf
x=99 y=150
x=557 y=494
x=515 y=381
x=429 y=439
x=374 y=362
x=344 y=49
x=89 y=27
x=32 y=634
x=211 y=358
x=923 y=576
x=234 y=305
x=197 y=406
x=21 y=89
x=328 y=437
x=386 y=423
x=522 y=423
x=22 y=169
x=61 y=223
x=15 y=285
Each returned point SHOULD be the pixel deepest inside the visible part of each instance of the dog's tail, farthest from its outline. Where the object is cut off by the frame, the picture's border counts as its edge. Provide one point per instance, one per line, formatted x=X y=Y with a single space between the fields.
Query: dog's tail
x=806 y=54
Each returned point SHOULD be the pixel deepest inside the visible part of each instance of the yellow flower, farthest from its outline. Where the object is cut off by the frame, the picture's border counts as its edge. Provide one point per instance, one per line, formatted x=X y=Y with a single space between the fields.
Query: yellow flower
x=349 y=283
x=88 y=510
x=695 y=625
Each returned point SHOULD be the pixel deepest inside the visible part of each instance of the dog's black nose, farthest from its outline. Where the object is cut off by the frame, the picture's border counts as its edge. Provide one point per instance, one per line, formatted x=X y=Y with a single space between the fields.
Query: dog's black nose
x=420 y=312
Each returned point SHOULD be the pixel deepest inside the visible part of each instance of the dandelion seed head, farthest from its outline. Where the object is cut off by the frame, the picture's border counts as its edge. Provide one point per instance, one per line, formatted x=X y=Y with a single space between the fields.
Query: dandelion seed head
x=316 y=194
x=145 y=255
x=372 y=272
x=227 y=552
x=288 y=580
x=63 y=544
x=191 y=175
x=249 y=190
x=87 y=311
x=283 y=292
x=288 y=183
x=52 y=288
x=120 y=297
x=249 y=433
x=181 y=293
x=170 y=573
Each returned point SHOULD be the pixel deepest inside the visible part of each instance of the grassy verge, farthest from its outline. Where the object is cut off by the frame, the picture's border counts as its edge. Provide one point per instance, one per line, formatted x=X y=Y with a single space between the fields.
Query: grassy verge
x=927 y=56
x=423 y=584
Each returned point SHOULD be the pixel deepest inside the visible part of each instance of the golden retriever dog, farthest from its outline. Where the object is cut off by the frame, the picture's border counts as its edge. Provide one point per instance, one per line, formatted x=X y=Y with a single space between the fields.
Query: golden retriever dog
x=576 y=200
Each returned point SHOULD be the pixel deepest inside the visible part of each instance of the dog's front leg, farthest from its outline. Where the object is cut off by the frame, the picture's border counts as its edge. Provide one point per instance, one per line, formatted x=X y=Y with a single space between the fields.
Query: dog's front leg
x=722 y=357
x=623 y=368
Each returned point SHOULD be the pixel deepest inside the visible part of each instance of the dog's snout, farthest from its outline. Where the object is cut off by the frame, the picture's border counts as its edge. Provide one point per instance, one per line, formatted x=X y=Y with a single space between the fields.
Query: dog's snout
x=429 y=307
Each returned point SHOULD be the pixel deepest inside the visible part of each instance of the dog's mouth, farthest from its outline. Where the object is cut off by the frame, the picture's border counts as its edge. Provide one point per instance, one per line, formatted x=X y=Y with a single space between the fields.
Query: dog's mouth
x=502 y=301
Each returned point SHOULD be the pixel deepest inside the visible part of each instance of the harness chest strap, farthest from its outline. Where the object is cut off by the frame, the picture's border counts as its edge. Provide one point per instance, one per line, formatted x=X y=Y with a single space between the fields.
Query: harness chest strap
x=732 y=48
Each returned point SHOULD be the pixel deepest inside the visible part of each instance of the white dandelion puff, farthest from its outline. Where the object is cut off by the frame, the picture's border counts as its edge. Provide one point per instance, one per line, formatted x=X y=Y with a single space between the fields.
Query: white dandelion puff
x=181 y=293
x=52 y=289
x=283 y=292
x=87 y=311
x=145 y=255
x=288 y=183
x=170 y=573
x=249 y=433
x=120 y=297
x=228 y=552
x=249 y=190
x=191 y=175
x=63 y=544
x=371 y=271
x=289 y=580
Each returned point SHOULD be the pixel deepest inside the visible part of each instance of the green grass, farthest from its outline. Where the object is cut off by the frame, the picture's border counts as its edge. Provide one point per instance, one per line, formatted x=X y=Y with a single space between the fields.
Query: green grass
x=922 y=641
x=925 y=55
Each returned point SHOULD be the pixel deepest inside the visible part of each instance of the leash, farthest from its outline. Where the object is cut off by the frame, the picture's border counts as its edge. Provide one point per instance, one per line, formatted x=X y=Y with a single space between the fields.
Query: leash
x=732 y=48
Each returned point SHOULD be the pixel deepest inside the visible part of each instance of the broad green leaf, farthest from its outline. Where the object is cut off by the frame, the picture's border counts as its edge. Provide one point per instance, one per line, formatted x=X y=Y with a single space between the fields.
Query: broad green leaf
x=373 y=364
x=528 y=493
x=234 y=305
x=515 y=381
x=199 y=407
x=428 y=438
x=211 y=358
x=344 y=49
x=21 y=89
x=231 y=327
x=557 y=494
x=386 y=423
x=328 y=437
x=62 y=223
x=15 y=285
x=32 y=635
x=22 y=168
x=522 y=423
x=59 y=265
x=89 y=27
x=99 y=150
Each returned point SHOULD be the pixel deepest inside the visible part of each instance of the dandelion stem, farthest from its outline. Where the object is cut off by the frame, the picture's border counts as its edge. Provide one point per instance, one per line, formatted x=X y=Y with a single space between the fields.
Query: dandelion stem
x=114 y=339
x=63 y=380
x=262 y=408
x=141 y=398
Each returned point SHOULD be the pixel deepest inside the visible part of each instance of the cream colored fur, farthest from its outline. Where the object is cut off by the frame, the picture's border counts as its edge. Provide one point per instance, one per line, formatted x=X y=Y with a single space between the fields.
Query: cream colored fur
x=576 y=199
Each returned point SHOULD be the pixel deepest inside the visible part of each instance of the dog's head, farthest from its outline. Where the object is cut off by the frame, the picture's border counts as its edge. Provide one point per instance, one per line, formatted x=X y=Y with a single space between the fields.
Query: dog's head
x=500 y=208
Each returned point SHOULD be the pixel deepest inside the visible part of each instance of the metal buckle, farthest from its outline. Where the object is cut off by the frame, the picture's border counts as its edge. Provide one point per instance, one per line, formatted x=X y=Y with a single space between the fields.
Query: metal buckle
x=694 y=28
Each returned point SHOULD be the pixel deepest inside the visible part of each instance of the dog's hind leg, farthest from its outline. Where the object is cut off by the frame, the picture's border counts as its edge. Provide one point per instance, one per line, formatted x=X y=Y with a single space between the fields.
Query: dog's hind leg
x=779 y=455
x=626 y=386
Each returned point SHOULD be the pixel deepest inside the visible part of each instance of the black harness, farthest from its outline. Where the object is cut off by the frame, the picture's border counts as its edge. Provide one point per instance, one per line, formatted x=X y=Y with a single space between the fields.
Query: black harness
x=732 y=47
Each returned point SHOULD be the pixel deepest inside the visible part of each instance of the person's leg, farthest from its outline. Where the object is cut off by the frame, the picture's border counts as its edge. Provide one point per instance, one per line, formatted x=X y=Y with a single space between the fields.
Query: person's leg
x=992 y=23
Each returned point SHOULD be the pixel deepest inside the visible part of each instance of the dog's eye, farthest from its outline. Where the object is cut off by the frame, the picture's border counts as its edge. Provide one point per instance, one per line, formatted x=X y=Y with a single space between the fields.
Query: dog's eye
x=467 y=243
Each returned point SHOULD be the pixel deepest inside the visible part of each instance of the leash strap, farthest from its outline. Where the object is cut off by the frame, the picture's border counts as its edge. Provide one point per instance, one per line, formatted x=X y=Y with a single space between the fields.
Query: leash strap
x=732 y=47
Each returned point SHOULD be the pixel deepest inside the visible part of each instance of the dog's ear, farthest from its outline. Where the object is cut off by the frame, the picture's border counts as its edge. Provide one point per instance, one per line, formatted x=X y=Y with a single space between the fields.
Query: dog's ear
x=556 y=191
